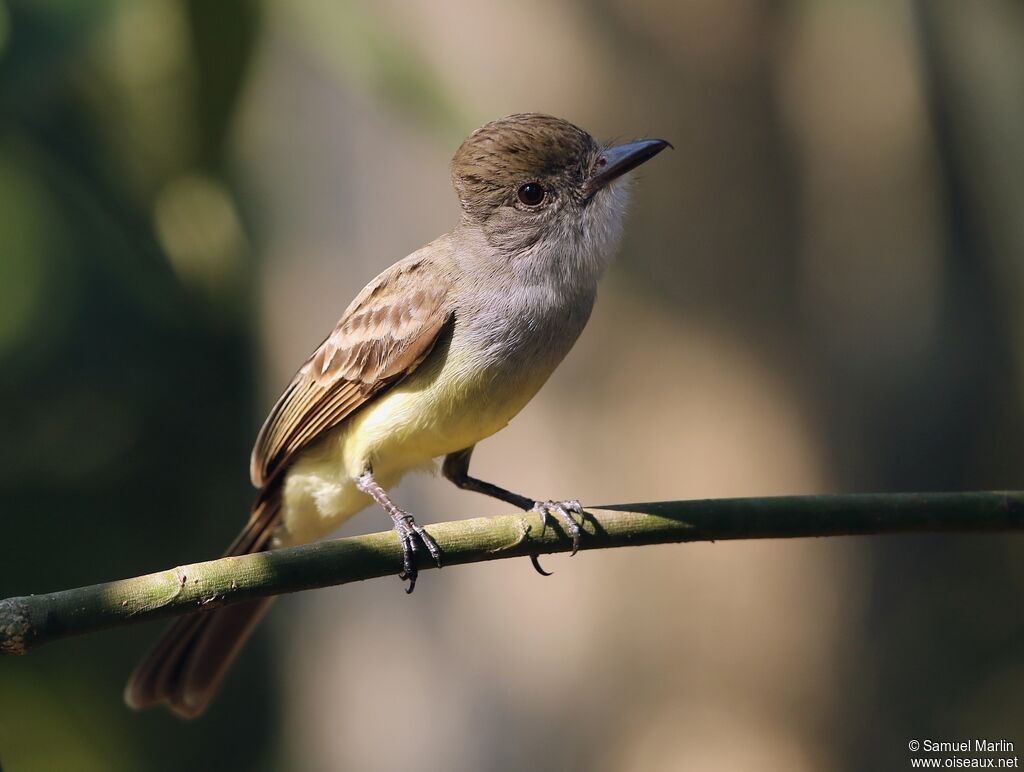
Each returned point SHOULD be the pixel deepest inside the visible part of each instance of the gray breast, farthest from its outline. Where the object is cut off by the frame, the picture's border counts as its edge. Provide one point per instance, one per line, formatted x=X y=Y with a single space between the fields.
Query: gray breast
x=519 y=328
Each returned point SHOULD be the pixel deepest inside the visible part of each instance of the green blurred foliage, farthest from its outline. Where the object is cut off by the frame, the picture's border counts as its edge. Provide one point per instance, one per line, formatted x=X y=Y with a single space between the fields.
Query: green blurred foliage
x=125 y=358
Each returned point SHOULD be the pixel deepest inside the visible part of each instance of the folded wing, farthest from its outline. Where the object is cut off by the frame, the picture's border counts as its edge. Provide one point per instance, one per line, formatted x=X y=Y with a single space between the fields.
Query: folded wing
x=383 y=336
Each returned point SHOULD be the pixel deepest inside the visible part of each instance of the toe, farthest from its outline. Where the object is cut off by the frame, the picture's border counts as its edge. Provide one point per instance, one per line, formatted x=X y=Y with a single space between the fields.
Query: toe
x=571 y=525
x=430 y=544
x=543 y=509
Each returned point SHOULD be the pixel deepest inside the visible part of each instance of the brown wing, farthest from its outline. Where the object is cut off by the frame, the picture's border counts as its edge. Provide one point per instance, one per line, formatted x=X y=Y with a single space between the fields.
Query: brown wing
x=382 y=337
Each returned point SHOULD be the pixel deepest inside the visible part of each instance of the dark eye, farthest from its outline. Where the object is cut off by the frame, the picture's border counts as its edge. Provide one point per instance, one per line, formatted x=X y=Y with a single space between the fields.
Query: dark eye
x=532 y=193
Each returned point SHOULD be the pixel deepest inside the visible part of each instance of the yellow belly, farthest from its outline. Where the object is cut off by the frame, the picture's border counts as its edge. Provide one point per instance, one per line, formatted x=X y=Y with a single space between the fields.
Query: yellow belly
x=440 y=409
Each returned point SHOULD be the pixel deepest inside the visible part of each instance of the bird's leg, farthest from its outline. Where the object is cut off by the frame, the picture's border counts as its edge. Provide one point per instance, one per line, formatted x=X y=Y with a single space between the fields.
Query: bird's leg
x=456 y=469
x=405 y=526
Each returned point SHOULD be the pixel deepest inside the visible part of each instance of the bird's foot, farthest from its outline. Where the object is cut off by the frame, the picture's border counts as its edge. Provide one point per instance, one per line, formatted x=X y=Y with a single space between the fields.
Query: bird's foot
x=563 y=512
x=410 y=535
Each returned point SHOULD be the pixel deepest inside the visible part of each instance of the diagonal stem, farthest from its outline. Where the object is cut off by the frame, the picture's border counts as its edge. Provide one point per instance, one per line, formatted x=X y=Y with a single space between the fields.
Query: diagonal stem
x=30 y=621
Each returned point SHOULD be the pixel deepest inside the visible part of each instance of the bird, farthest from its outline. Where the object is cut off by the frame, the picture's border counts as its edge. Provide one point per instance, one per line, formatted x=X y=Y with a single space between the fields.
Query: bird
x=438 y=352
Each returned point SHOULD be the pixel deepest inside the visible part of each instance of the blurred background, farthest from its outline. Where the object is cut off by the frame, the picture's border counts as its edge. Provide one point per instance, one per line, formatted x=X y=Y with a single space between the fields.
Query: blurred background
x=824 y=288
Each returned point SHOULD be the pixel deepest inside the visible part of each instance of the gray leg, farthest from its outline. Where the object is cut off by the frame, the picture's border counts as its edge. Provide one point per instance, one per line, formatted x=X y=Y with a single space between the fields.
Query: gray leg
x=406 y=528
x=456 y=469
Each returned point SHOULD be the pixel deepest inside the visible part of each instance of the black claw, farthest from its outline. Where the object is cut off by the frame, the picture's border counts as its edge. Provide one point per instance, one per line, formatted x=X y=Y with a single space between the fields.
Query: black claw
x=408 y=532
x=535 y=560
x=570 y=525
x=574 y=533
x=562 y=511
x=409 y=575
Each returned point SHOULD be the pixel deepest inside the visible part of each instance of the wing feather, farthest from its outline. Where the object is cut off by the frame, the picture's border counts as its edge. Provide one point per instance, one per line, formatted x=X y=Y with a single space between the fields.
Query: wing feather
x=382 y=337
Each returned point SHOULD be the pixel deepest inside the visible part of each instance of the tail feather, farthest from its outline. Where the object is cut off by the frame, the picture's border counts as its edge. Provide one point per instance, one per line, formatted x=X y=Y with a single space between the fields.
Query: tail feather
x=186 y=666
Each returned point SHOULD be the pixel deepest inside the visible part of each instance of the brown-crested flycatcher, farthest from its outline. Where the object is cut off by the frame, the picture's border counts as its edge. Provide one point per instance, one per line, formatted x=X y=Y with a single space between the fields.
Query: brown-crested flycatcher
x=434 y=355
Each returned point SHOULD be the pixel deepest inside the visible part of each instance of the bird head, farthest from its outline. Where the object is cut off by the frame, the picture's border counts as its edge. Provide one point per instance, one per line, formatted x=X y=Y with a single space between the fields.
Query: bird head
x=538 y=185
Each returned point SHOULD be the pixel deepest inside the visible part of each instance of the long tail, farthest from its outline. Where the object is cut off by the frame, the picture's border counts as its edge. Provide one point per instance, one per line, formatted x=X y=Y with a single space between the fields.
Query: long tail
x=186 y=666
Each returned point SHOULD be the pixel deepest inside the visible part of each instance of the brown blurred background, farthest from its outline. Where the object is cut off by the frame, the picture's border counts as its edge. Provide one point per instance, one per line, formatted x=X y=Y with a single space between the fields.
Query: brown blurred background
x=821 y=290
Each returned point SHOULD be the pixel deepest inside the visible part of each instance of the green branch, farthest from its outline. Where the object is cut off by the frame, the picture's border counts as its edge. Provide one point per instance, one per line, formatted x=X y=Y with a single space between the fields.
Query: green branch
x=30 y=621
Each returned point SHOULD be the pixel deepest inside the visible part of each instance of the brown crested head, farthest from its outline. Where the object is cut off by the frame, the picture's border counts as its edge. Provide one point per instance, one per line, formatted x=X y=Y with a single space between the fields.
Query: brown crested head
x=526 y=162
x=537 y=185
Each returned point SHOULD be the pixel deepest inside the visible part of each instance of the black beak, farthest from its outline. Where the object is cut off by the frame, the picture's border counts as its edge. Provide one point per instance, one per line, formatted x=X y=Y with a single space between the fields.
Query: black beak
x=616 y=161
